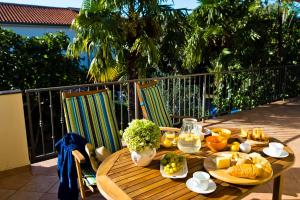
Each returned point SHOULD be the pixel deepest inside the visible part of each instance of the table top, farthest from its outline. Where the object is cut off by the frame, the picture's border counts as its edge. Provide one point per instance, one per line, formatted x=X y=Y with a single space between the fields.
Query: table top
x=119 y=178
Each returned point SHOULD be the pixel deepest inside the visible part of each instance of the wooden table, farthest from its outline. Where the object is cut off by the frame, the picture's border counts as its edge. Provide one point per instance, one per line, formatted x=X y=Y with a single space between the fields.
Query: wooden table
x=119 y=178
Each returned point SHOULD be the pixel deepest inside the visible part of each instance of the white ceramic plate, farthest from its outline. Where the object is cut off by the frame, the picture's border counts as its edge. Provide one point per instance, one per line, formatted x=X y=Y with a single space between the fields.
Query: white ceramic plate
x=193 y=187
x=267 y=151
x=180 y=174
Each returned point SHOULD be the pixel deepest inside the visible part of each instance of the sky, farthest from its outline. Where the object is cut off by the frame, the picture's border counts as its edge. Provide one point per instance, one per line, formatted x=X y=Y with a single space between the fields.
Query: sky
x=190 y=4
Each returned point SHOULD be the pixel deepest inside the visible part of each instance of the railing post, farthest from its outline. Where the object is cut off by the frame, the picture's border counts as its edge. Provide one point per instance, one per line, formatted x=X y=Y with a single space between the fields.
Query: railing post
x=52 y=121
x=129 y=103
x=121 y=104
x=62 y=121
x=136 y=109
x=41 y=123
x=284 y=83
x=32 y=153
x=203 y=99
x=173 y=100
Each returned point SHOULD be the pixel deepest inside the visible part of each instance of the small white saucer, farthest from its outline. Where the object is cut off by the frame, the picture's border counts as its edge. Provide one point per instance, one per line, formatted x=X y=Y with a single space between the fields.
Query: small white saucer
x=267 y=151
x=193 y=187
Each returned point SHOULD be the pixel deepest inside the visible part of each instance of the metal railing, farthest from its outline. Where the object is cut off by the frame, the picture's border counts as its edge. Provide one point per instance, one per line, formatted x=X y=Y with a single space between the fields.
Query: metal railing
x=198 y=95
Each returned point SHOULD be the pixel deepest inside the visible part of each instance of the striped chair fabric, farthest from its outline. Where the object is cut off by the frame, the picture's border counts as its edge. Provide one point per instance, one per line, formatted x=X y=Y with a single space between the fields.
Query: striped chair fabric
x=155 y=106
x=92 y=115
x=89 y=175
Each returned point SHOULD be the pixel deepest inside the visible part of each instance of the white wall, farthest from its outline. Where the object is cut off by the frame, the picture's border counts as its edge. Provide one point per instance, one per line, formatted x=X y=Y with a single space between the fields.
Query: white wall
x=13 y=141
x=39 y=30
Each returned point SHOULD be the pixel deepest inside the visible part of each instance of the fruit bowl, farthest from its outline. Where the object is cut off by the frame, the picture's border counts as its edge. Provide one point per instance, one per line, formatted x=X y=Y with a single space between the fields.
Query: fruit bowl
x=182 y=171
x=221 y=132
x=216 y=143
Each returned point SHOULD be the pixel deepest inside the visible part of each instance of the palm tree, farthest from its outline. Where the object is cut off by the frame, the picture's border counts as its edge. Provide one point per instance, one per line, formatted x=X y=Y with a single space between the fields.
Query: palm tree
x=226 y=34
x=121 y=36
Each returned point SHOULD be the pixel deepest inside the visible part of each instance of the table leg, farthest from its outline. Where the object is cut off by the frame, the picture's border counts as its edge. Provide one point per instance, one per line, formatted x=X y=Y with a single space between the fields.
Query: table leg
x=277 y=188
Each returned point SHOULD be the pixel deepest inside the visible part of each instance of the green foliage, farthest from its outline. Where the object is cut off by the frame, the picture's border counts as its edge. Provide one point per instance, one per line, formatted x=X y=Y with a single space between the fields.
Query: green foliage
x=142 y=133
x=126 y=37
x=229 y=35
x=237 y=35
x=36 y=62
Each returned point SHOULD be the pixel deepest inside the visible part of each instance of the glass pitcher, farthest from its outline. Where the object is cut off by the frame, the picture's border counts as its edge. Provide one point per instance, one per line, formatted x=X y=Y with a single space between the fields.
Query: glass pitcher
x=189 y=140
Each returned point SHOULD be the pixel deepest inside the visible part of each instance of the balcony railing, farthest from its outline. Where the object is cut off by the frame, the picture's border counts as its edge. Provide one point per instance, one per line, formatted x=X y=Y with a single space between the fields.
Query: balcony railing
x=199 y=96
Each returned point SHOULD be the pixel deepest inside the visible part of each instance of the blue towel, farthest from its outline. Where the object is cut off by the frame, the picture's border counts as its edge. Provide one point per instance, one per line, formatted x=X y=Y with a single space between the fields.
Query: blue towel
x=66 y=168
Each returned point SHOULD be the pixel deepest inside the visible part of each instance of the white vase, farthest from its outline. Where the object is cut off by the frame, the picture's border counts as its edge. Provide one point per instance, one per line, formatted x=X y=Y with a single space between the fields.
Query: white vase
x=143 y=158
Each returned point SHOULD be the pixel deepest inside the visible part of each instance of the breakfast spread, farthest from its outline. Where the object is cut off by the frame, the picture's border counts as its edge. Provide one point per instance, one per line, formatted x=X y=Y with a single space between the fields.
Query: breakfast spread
x=234 y=165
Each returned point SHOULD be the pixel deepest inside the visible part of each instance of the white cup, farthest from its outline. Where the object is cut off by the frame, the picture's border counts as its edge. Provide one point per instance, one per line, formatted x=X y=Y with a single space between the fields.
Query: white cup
x=276 y=148
x=201 y=179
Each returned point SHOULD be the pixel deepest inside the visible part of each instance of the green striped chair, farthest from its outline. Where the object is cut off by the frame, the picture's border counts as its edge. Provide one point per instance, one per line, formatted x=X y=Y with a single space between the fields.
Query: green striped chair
x=92 y=115
x=152 y=104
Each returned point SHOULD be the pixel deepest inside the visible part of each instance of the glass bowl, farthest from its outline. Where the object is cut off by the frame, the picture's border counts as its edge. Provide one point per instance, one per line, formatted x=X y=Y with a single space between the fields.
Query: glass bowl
x=216 y=143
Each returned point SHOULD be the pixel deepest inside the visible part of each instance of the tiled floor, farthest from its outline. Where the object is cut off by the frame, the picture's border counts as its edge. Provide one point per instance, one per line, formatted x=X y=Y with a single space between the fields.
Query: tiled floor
x=280 y=119
x=40 y=182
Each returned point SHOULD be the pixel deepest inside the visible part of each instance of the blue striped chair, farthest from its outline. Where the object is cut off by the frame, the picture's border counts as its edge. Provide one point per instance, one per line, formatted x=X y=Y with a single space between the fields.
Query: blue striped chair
x=92 y=115
x=153 y=105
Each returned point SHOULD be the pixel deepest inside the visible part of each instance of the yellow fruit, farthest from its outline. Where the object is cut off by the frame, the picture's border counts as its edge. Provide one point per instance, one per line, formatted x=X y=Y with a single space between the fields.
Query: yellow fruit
x=236 y=143
x=235 y=147
x=167 y=143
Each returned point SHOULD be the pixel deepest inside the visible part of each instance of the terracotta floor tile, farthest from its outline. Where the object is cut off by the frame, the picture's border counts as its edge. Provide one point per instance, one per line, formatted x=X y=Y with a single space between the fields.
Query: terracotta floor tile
x=5 y=194
x=47 y=196
x=47 y=168
x=15 y=182
x=40 y=184
x=23 y=195
x=54 y=188
x=96 y=196
x=15 y=171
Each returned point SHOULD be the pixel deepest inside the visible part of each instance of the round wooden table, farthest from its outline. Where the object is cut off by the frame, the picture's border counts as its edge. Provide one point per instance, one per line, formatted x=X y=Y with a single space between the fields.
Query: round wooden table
x=119 y=178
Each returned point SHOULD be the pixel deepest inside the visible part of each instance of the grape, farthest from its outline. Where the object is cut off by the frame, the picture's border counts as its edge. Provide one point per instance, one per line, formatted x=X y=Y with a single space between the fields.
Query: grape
x=164 y=162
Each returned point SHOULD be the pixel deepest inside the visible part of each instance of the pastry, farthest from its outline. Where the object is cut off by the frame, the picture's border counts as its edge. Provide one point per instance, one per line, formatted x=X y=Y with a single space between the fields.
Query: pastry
x=250 y=171
x=256 y=134
x=244 y=161
x=252 y=166
x=245 y=132
x=261 y=163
